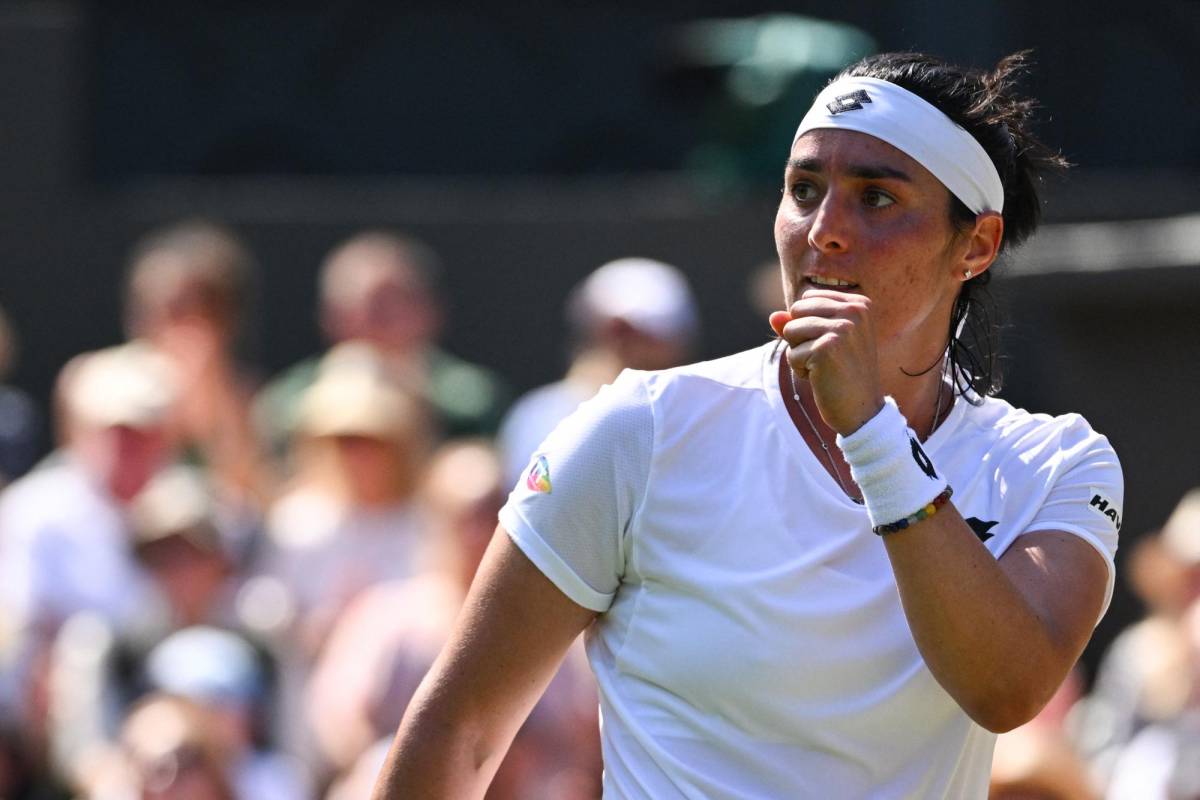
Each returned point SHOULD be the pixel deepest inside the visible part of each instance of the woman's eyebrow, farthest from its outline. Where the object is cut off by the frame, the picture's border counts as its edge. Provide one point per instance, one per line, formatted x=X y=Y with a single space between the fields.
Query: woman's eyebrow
x=868 y=171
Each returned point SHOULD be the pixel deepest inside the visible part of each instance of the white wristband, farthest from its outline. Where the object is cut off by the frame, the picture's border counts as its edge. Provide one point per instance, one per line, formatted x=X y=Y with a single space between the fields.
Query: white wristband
x=889 y=466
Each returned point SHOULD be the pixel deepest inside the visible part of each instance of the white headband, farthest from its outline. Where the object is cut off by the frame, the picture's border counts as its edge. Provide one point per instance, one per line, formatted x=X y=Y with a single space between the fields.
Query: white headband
x=908 y=123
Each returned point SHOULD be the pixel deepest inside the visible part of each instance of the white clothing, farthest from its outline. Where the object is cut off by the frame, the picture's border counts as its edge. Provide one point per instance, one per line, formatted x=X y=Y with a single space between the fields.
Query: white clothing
x=266 y=775
x=65 y=547
x=327 y=553
x=1161 y=761
x=752 y=642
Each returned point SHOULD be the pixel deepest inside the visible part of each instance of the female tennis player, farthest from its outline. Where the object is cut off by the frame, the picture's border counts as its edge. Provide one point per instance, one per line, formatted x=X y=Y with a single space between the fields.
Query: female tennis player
x=832 y=566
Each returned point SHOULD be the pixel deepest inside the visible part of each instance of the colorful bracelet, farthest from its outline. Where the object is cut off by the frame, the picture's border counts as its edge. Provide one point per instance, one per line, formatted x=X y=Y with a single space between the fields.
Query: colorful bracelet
x=912 y=519
x=892 y=471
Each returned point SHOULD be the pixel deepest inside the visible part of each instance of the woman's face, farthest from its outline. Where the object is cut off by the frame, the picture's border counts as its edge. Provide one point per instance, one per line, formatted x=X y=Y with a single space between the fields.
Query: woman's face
x=857 y=211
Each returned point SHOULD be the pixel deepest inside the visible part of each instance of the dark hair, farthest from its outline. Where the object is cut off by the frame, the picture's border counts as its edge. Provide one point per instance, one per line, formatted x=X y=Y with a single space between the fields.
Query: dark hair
x=986 y=105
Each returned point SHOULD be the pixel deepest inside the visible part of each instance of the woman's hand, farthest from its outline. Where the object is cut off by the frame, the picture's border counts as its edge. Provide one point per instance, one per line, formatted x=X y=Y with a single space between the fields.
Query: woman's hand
x=831 y=344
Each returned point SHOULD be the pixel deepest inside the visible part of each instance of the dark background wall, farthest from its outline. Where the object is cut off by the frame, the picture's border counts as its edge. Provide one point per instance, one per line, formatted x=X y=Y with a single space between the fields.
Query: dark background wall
x=527 y=144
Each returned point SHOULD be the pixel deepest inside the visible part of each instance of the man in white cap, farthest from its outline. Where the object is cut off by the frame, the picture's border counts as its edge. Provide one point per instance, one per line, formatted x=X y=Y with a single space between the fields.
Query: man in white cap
x=632 y=313
x=66 y=544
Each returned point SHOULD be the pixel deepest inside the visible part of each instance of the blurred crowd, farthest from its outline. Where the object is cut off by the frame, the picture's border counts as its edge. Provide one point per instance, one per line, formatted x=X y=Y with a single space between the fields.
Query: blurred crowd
x=219 y=586
x=223 y=586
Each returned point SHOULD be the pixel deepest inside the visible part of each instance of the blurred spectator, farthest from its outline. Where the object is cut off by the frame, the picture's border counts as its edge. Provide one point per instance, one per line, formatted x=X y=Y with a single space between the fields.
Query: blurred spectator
x=20 y=775
x=169 y=750
x=764 y=290
x=178 y=539
x=188 y=294
x=19 y=419
x=379 y=287
x=221 y=672
x=65 y=541
x=1163 y=759
x=356 y=782
x=1144 y=676
x=1038 y=764
x=386 y=641
x=1037 y=760
x=65 y=544
x=349 y=521
x=631 y=313
x=97 y=669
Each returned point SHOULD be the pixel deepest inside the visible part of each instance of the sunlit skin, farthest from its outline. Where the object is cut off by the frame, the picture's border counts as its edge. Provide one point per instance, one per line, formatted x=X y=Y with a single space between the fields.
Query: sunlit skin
x=121 y=458
x=999 y=635
x=856 y=209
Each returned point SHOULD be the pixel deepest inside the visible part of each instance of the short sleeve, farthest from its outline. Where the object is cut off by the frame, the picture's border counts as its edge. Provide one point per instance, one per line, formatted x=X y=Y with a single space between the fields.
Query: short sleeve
x=571 y=509
x=1087 y=494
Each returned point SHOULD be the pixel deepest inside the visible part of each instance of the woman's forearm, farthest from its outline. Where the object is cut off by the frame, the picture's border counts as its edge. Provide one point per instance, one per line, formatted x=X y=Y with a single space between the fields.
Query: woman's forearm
x=432 y=758
x=999 y=636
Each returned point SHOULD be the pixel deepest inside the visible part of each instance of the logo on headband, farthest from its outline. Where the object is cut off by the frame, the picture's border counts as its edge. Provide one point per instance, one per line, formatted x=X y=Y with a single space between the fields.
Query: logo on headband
x=848 y=102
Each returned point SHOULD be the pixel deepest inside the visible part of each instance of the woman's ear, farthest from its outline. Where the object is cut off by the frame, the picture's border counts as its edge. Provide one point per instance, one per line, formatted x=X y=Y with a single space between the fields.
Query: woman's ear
x=983 y=244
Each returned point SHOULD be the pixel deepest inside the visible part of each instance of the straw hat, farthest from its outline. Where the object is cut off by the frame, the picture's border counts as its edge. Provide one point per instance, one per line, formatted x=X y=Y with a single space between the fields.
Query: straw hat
x=130 y=385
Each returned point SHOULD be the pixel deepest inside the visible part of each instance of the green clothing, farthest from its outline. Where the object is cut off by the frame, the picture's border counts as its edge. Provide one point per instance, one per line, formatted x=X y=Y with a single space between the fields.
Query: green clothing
x=466 y=399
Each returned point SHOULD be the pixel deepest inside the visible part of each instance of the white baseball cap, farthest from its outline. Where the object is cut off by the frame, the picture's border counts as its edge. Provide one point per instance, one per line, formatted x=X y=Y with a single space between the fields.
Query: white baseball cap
x=651 y=296
x=206 y=665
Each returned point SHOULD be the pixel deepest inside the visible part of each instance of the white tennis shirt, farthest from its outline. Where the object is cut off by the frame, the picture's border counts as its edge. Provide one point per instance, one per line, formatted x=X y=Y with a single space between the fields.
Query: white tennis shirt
x=751 y=642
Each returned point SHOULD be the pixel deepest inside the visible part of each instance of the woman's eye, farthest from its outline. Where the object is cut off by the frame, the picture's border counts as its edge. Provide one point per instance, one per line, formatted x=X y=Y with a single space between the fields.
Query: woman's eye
x=803 y=192
x=877 y=199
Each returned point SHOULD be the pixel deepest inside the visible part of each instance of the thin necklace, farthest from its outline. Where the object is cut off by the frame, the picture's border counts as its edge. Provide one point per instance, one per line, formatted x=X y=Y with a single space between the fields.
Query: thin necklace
x=937 y=408
x=937 y=413
x=828 y=455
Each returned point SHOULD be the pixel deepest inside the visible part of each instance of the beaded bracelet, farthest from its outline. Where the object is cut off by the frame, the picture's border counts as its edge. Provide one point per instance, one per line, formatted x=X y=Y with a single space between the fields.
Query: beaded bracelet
x=912 y=519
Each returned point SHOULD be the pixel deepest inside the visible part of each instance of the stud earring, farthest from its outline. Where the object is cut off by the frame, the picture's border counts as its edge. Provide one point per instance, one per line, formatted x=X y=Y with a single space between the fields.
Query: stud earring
x=967 y=274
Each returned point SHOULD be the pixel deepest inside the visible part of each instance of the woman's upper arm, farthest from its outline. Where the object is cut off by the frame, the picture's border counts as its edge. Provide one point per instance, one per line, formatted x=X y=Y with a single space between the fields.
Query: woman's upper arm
x=556 y=560
x=507 y=643
x=513 y=631
x=1064 y=579
x=1063 y=562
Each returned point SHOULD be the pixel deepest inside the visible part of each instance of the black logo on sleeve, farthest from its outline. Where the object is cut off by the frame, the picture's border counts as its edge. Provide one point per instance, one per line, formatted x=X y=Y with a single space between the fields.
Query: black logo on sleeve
x=848 y=102
x=982 y=528
x=1106 y=507
x=922 y=460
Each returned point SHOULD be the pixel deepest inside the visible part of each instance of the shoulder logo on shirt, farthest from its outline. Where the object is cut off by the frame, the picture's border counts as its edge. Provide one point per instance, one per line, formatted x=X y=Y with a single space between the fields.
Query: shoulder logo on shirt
x=922 y=460
x=1104 y=506
x=538 y=479
x=982 y=527
x=848 y=102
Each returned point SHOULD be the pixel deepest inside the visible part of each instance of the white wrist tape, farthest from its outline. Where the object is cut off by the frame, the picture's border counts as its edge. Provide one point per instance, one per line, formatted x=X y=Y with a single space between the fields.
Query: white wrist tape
x=889 y=466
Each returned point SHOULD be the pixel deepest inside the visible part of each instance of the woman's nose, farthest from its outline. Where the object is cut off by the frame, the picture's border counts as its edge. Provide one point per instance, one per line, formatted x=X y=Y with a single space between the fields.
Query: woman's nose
x=829 y=231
